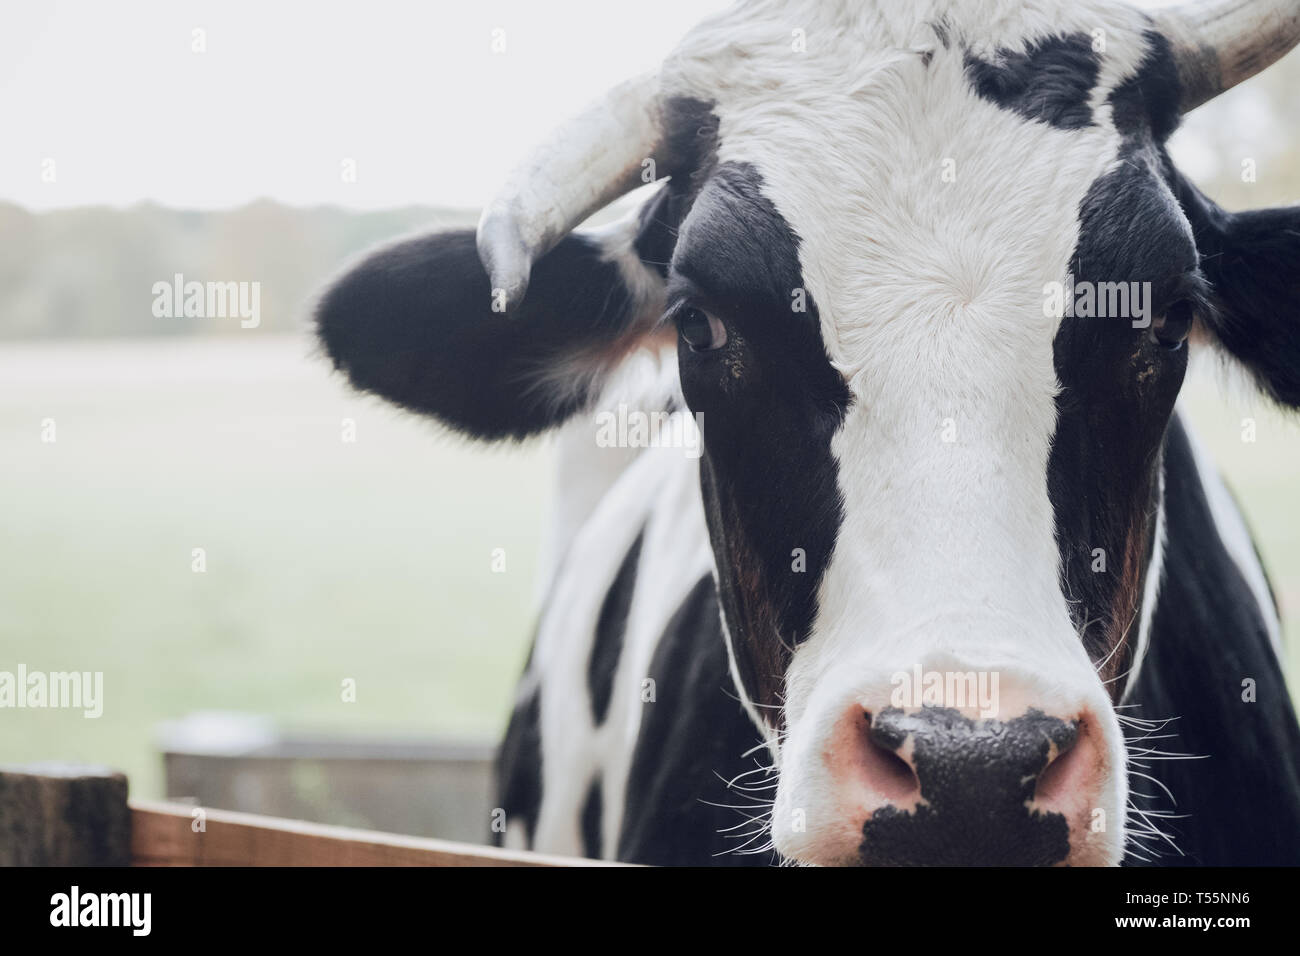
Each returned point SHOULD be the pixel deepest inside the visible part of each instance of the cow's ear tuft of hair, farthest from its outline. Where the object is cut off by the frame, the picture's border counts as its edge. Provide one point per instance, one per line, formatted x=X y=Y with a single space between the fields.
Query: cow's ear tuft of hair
x=416 y=322
x=1252 y=260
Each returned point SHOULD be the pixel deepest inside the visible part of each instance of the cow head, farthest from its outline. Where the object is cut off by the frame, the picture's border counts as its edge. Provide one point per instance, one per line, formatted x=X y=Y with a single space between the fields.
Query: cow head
x=932 y=277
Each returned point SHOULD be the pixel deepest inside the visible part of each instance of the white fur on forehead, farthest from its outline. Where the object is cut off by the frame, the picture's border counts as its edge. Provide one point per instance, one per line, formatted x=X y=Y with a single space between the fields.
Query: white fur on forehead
x=748 y=28
x=852 y=134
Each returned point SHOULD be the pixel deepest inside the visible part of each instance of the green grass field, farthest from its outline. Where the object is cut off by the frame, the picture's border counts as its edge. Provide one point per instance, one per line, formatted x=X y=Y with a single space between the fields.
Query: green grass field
x=326 y=560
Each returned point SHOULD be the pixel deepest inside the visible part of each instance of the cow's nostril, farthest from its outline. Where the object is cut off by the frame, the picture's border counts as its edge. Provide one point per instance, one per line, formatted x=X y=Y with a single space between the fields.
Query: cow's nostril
x=1065 y=768
x=889 y=774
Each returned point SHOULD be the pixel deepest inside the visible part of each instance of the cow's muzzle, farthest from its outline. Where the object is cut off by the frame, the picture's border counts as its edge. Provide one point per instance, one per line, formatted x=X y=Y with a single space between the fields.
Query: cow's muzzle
x=952 y=790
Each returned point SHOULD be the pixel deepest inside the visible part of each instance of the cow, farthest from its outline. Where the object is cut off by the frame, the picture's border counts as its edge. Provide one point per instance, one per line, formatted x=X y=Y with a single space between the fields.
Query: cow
x=935 y=571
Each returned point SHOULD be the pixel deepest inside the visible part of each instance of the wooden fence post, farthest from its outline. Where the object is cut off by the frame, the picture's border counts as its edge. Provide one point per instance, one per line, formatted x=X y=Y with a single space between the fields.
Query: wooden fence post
x=63 y=815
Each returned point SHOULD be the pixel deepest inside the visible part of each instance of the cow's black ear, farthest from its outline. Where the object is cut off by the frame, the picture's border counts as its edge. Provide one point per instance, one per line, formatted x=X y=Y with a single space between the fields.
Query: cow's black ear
x=416 y=323
x=1252 y=260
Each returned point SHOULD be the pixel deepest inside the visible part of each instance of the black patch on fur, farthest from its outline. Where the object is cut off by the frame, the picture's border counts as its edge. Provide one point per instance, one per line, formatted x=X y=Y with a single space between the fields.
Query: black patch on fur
x=591 y=821
x=976 y=778
x=691 y=739
x=1147 y=102
x=519 y=766
x=1117 y=395
x=607 y=645
x=1118 y=389
x=1242 y=801
x=1050 y=82
x=771 y=402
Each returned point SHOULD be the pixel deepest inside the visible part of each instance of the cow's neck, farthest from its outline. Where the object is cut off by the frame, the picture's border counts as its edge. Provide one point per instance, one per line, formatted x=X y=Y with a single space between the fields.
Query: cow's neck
x=1212 y=649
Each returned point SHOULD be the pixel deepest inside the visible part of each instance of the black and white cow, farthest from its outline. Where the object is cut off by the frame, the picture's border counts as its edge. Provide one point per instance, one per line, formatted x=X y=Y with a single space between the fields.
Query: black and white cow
x=911 y=465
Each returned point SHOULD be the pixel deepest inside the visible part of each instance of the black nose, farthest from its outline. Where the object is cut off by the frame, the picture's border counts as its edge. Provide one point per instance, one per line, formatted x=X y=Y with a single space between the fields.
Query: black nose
x=974 y=780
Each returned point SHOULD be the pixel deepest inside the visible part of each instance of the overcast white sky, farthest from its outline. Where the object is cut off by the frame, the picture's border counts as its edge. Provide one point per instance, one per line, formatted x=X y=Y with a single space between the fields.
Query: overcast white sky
x=115 y=96
x=286 y=90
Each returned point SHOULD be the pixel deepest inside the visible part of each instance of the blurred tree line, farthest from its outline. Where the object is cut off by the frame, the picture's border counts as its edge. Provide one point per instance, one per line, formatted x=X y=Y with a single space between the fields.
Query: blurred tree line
x=89 y=272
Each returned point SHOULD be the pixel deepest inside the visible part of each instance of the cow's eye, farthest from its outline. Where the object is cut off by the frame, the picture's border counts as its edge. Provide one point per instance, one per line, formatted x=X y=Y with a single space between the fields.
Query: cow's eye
x=700 y=330
x=1171 y=329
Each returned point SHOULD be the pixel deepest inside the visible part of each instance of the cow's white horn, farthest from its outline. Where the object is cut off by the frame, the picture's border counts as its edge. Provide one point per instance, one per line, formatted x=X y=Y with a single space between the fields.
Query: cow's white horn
x=585 y=164
x=1220 y=43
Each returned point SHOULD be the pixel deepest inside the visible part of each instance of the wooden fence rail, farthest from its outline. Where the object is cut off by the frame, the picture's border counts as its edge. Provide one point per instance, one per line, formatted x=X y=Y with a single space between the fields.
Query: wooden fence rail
x=80 y=816
x=164 y=834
